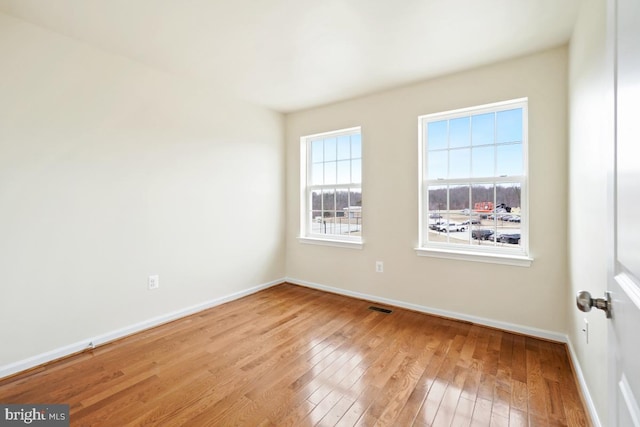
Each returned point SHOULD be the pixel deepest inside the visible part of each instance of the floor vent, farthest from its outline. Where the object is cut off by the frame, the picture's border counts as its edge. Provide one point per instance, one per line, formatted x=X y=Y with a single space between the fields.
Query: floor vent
x=380 y=309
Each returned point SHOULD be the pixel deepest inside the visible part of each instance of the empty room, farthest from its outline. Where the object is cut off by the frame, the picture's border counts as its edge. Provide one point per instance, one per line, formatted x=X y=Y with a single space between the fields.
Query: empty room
x=339 y=213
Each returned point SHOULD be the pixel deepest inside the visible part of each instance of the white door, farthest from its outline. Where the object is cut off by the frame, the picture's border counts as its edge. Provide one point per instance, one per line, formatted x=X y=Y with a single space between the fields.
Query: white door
x=624 y=283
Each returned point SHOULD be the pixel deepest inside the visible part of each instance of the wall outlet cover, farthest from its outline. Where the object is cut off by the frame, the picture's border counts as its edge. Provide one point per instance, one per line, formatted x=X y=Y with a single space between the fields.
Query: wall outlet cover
x=154 y=282
x=379 y=266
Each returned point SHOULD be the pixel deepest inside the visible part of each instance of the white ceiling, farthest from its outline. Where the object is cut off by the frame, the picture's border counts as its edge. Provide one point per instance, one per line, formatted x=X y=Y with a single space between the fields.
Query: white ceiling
x=295 y=54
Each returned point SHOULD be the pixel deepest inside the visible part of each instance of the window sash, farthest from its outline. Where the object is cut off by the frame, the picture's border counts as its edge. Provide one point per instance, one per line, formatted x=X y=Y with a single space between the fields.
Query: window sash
x=496 y=225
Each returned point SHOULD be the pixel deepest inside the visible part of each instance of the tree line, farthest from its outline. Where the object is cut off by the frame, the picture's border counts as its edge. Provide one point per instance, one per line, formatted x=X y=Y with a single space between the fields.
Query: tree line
x=338 y=200
x=459 y=196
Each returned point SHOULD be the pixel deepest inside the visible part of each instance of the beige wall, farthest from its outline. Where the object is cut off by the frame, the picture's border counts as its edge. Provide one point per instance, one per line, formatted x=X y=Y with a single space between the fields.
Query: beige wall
x=590 y=157
x=534 y=297
x=109 y=172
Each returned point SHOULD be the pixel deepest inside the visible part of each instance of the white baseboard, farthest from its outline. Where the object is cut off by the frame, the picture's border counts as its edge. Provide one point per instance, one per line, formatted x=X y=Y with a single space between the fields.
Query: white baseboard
x=58 y=353
x=583 y=386
x=525 y=330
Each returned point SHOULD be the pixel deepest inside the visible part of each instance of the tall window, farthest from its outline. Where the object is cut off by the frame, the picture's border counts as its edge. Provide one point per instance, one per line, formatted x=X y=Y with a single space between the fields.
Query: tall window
x=331 y=177
x=474 y=181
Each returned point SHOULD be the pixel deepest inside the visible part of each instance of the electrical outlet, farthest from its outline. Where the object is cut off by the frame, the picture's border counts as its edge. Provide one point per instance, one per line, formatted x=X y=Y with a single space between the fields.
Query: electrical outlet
x=379 y=266
x=154 y=282
x=585 y=330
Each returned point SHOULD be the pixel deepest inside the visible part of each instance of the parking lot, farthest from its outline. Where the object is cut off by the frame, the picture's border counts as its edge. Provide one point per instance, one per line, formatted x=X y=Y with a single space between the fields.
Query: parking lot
x=502 y=229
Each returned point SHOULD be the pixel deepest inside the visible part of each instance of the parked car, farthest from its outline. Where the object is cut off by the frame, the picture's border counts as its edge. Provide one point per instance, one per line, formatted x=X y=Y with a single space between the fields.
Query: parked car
x=482 y=234
x=435 y=215
x=471 y=221
x=451 y=227
x=437 y=224
x=512 y=238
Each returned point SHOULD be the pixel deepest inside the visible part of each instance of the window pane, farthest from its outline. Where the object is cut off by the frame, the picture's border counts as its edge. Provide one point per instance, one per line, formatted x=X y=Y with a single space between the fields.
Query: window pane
x=467 y=216
x=458 y=197
x=342 y=201
x=355 y=223
x=355 y=203
x=437 y=135
x=509 y=125
x=509 y=160
x=459 y=163
x=329 y=149
x=316 y=222
x=342 y=211
x=437 y=165
x=356 y=171
x=355 y=197
x=317 y=149
x=344 y=147
x=316 y=200
x=482 y=161
x=341 y=222
x=459 y=132
x=437 y=213
x=344 y=172
x=482 y=198
x=483 y=227
x=437 y=195
x=458 y=213
x=317 y=173
x=356 y=146
x=508 y=197
x=353 y=213
x=329 y=222
x=328 y=200
x=482 y=127
x=330 y=173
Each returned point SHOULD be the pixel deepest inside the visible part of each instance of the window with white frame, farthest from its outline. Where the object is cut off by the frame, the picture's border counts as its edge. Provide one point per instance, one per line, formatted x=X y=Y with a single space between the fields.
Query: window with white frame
x=331 y=178
x=473 y=183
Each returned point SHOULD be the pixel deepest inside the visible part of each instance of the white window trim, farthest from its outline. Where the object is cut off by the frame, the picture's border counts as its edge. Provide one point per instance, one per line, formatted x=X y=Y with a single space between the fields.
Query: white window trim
x=349 y=242
x=494 y=255
x=331 y=242
x=490 y=258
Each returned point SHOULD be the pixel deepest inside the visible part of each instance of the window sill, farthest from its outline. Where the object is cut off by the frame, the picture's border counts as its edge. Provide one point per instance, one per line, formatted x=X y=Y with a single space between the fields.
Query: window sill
x=331 y=242
x=492 y=258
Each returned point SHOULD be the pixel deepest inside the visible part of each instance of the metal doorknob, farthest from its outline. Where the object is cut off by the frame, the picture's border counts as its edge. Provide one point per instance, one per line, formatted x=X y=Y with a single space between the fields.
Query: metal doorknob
x=585 y=302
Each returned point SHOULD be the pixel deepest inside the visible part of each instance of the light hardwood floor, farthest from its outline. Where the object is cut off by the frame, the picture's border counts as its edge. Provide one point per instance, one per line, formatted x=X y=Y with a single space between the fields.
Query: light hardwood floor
x=292 y=356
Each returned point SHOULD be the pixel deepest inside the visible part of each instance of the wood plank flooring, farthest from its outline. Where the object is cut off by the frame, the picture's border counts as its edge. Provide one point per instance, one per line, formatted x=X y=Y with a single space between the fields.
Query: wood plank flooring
x=292 y=356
